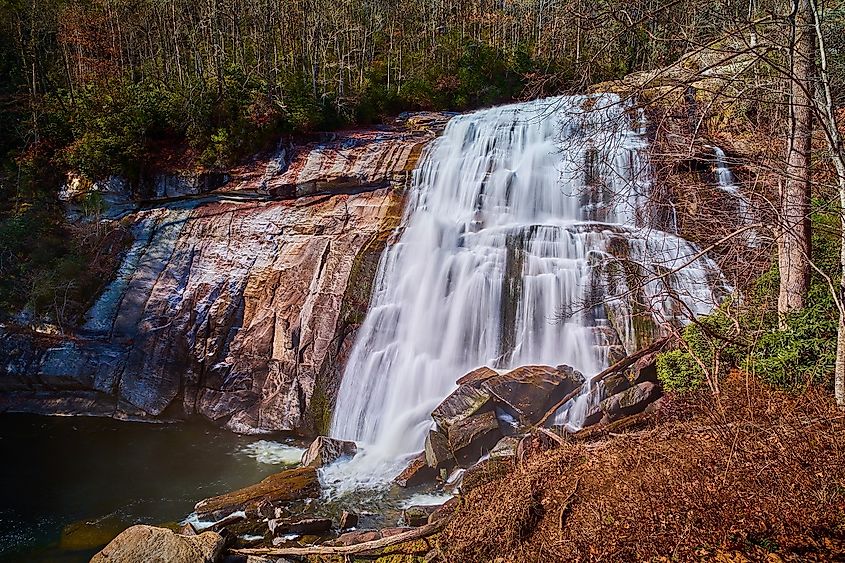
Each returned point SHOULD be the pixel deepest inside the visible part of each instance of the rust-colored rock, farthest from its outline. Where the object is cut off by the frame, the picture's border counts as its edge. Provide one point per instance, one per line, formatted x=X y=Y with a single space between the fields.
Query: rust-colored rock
x=417 y=473
x=147 y=544
x=528 y=392
x=286 y=486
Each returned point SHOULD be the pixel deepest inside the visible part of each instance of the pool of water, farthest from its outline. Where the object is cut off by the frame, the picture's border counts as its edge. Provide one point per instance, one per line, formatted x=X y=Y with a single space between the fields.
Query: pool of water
x=70 y=484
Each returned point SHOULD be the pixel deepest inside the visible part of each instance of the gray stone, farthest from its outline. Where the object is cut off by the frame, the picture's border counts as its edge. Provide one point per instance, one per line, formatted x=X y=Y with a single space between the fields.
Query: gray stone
x=324 y=451
x=631 y=401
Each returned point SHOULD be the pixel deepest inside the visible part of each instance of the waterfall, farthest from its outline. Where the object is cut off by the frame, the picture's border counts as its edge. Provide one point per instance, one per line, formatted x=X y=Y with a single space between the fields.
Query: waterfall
x=725 y=178
x=525 y=240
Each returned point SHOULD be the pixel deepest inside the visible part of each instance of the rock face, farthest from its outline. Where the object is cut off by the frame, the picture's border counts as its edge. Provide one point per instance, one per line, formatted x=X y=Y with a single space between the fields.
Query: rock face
x=286 y=486
x=238 y=304
x=324 y=451
x=147 y=544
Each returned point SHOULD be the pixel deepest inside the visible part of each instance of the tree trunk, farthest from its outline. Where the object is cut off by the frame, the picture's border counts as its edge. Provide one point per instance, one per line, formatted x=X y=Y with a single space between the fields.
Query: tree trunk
x=794 y=247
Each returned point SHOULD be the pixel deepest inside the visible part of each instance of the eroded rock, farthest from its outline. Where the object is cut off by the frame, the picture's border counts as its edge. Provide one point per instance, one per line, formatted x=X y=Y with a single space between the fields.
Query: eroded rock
x=324 y=451
x=527 y=393
x=290 y=485
x=416 y=473
x=148 y=544
x=631 y=401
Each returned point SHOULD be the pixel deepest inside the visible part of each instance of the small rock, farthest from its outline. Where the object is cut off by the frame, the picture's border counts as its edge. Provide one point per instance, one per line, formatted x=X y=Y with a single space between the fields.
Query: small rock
x=301 y=527
x=358 y=536
x=324 y=451
x=348 y=520
x=147 y=544
x=417 y=473
x=416 y=516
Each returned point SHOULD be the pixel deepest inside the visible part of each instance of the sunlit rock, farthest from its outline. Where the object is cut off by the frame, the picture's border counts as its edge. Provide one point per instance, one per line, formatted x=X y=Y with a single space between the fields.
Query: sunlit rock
x=147 y=544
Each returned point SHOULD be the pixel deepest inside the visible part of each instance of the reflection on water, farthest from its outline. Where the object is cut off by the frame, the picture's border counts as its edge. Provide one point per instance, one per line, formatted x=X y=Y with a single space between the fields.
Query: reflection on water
x=71 y=484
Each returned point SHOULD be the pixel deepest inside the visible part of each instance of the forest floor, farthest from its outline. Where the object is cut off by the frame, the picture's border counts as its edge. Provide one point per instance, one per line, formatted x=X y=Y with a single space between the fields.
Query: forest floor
x=757 y=474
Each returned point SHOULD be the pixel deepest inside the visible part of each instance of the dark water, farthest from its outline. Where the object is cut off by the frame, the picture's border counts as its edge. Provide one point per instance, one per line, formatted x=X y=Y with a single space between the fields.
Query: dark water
x=70 y=484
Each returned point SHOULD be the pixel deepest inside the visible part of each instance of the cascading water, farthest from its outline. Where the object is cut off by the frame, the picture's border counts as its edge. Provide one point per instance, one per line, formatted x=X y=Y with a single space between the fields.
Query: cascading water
x=526 y=240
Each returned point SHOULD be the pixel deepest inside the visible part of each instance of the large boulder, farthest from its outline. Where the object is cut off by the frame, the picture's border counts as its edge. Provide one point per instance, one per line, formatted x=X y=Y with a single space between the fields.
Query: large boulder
x=290 y=485
x=528 y=393
x=148 y=544
x=464 y=402
x=324 y=451
x=471 y=437
x=416 y=473
x=632 y=401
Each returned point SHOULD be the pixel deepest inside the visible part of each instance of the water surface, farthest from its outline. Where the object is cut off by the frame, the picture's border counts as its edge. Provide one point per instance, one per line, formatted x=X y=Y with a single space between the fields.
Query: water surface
x=72 y=483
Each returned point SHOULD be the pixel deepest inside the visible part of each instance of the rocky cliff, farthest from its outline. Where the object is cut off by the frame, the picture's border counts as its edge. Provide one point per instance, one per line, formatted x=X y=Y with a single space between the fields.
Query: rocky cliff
x=237 y=298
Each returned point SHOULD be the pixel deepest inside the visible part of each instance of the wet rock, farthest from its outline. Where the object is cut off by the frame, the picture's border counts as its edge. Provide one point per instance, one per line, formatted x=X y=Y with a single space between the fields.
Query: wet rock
x=472 y=437
x=416 y=473
x=148 y=544
x=592 y=415
x=416 y=516
x=348 y=520
x=477 y=376
x=286 y=486
x=305 y=526
x=464 y=402
x=324 y=451
x=527 y=393
x=631 y=401
x=437 y=452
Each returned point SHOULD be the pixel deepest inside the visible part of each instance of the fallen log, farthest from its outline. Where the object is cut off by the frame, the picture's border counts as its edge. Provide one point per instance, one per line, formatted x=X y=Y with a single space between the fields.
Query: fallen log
x=357 y=549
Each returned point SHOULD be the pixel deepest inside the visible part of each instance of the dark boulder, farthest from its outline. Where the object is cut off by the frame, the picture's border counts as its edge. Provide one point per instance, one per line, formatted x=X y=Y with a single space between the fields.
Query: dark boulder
x=472 y=437
x=632 y=401
x=324 y=451
x=528 y=393
x=416 y=473
x=477 y=376
x=305 y=526
x=437 y=451
x=464 y=402
x=348 y=520
x=616 y=383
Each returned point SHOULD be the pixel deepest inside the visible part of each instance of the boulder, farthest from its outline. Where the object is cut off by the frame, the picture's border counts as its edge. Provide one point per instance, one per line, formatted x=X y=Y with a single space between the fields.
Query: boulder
x=527 y=393
x=148 y=544
x=464 y=402
x=644 y=369
x=324 y=451
x=416 y=473
x=592 y=415
x=348 y=520
x=286 y=486
x=616 y=383
x=437 y=451
x=631 y=401
x=304 y=526
x=416 y=516
x=472 y=437
x=477 y=376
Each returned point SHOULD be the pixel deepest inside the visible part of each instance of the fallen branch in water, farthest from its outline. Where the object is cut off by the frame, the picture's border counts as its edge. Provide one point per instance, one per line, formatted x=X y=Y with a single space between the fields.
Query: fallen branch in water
x=410 y=535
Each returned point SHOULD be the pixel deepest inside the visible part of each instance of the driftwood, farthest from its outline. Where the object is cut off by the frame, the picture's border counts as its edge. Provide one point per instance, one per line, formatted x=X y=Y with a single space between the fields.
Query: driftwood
x=624 y=363
x=357 y=549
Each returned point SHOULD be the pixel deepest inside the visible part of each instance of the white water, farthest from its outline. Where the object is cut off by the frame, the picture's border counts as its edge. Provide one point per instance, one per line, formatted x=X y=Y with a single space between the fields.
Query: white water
x=523 y=229
x=727 y=184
